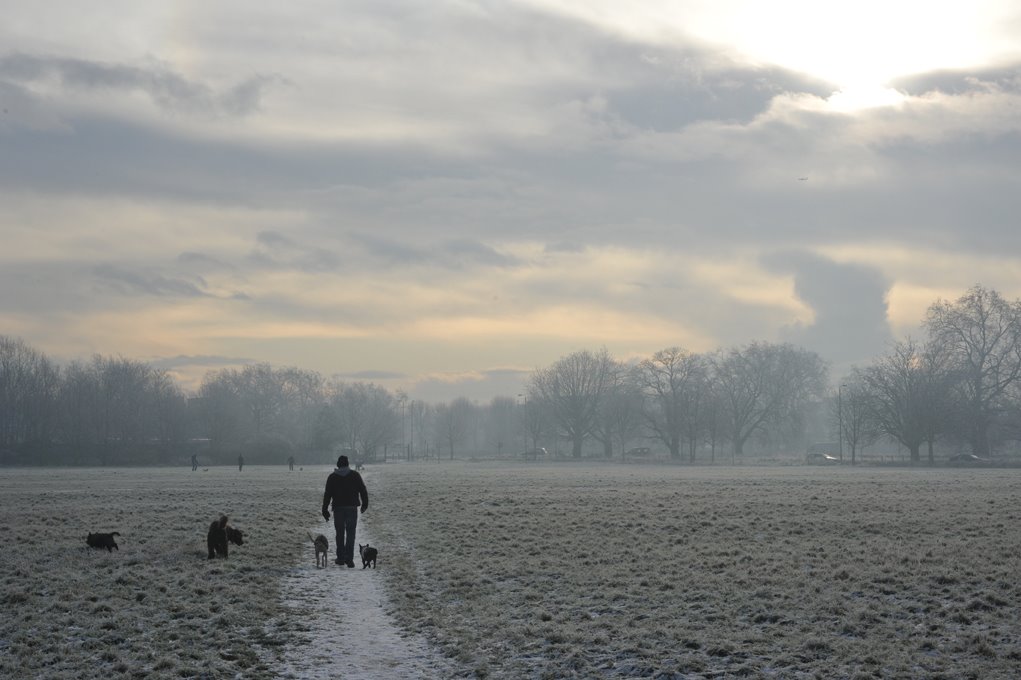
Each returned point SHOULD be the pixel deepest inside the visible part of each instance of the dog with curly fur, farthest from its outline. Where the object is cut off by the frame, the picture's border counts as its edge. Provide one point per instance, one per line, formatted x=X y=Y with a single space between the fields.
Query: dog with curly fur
x=219 y=535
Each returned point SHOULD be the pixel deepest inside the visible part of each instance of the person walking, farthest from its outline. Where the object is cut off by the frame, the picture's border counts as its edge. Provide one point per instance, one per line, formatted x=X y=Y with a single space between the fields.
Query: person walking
x=194 y=462
x=290 y=463
x=346 y=489
x=241 y=462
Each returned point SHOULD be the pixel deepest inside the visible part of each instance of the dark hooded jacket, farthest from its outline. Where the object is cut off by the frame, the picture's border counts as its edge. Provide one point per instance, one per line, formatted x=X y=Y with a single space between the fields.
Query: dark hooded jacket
x=346 y=489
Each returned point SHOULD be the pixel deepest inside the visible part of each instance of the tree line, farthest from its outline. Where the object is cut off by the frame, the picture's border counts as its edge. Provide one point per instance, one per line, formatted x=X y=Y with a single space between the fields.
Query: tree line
x=960 y=385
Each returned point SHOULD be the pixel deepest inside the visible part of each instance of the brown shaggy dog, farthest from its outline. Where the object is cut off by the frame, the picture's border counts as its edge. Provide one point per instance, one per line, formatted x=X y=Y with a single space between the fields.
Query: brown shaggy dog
x=103 y=541
x=219 y=535
x=322 y=545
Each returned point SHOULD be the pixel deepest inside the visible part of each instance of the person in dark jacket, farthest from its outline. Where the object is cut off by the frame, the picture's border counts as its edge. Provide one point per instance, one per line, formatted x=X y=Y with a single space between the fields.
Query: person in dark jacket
x=345 y=488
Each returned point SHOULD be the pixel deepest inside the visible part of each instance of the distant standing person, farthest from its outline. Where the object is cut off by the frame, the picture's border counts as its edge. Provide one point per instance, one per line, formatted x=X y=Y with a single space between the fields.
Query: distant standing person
x=194 y=462
x=241 y=462
x=290 y=463
x=346 y=489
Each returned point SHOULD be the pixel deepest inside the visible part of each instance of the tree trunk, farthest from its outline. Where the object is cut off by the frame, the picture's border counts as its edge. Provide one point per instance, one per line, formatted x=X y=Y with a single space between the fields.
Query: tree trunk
x=932 y=459
x=675 y=449
x=576 y=447
x=915 y=456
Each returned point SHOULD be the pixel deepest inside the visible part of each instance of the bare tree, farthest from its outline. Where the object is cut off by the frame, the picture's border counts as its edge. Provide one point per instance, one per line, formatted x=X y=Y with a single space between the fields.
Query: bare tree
x=500 y=417
x=168 y=413
x=421 y=415
x=673 y=382
x=623 y=411
x=981 y=333
x=366 y=417
x=766 y=385
x=534 y=422
x=29 y=383
x=853 y=413
x=615 y=405
x=900 y=392
x=572 y=390
x=453 y=422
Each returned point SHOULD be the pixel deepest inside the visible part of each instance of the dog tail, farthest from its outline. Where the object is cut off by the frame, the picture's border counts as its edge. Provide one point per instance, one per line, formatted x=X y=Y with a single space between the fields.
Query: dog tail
x=115 y=533
x=310 y=536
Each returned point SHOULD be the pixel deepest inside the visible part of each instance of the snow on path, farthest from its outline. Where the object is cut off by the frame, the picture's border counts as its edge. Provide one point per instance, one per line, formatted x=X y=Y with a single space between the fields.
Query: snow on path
x=352 y=635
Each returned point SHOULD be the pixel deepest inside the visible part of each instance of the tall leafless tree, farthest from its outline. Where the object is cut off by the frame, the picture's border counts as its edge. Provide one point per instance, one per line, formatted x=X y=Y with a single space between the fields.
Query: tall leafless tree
x=902 y=400
x=981 y=333
x=573 y=390
x=766 y=385
x=852 y=412
x=673 y=382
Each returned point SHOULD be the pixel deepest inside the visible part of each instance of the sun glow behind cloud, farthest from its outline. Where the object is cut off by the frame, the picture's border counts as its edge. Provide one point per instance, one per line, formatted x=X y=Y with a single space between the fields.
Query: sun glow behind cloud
x=858 y=47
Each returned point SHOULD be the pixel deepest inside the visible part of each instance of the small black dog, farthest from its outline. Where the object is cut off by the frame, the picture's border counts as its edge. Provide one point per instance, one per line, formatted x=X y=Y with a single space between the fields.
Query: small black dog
x=220 y=533
x=368 y=554
x=103 y=541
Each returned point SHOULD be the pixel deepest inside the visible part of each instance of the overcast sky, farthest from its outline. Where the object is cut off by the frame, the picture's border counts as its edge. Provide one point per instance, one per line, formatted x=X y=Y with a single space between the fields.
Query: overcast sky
x=443 y=196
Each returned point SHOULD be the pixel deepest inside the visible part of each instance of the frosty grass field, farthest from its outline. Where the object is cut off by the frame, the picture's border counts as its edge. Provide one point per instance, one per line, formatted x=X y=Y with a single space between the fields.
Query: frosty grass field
x=537 y=570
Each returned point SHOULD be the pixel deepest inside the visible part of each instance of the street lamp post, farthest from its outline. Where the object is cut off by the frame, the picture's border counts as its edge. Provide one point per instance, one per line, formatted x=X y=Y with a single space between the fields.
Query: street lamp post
x=840 y=420
x=522 y=423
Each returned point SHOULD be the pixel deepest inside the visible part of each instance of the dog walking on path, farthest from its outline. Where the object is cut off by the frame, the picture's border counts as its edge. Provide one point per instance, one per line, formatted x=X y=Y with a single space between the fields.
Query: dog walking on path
x=322 y=545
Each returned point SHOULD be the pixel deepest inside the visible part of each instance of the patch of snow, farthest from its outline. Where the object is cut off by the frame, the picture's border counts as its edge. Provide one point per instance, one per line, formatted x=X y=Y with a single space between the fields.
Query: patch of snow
x=352 y=636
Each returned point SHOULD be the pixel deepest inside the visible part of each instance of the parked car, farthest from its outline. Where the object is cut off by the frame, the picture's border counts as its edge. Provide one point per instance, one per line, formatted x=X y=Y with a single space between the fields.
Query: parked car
x=534 y=454
x=821 y=459
x=639 y=452
x=963 y=459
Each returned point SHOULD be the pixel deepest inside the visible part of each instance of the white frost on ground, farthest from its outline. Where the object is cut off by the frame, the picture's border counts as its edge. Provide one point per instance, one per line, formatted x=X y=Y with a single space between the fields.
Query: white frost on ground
x=352 y=636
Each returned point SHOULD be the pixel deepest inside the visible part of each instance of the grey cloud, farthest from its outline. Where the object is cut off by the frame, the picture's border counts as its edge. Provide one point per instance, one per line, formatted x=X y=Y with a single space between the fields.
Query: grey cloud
x=370 y=374
x=459 y=253
x=274 y=239
x=668 y=98
x=182 y=360
x=202 y=262
x=130 y=282
x=564 y=247
x=463 y=252
x=277 y=251
x=389 y=250
x=849 y=302
x=166 y=88
x=960 y=82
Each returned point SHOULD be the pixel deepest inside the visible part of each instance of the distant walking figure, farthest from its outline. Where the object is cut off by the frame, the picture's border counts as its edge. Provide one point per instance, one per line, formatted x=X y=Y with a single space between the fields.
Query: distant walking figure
x=290 y=463
x=346 y=489
x=241 y=462
x=194 y=462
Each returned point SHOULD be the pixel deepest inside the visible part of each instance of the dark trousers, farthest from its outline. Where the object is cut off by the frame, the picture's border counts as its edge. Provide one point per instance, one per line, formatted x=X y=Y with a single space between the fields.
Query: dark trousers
x=345 y=520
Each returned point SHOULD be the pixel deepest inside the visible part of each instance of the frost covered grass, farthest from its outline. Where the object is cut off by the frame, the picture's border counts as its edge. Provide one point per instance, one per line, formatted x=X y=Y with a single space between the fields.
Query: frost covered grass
x=589 y=571
x=157 y=607
x=535 y=570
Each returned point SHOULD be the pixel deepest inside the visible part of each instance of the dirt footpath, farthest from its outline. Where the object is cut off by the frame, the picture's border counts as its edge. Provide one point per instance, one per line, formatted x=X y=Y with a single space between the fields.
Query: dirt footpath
x=352 y=636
